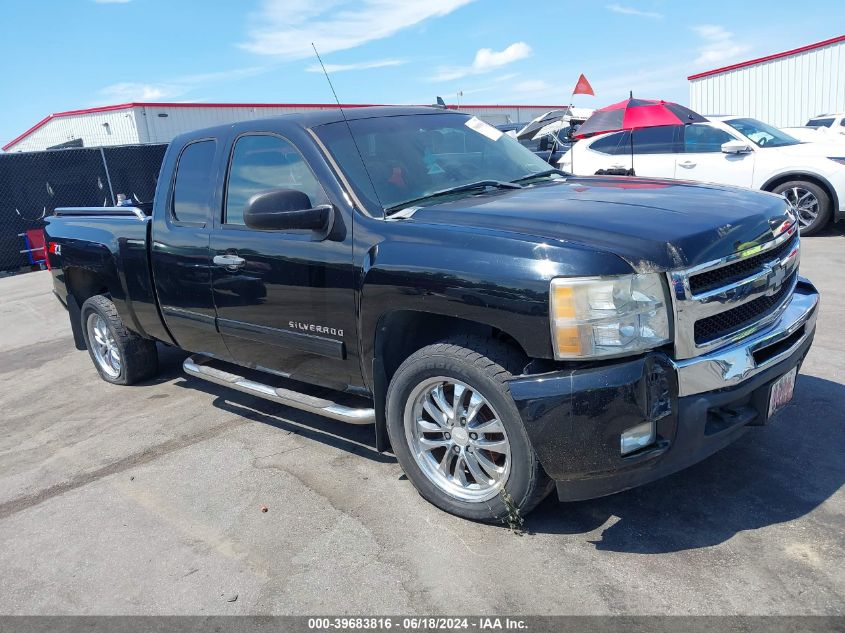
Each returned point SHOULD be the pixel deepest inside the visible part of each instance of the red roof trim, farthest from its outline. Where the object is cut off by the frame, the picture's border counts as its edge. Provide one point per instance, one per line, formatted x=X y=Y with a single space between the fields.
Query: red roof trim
x=27 y=133
x=138 y=104
x=768 y=58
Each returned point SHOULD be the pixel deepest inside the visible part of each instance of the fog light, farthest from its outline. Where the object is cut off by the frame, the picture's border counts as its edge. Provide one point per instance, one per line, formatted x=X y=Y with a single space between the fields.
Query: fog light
x=637 y=437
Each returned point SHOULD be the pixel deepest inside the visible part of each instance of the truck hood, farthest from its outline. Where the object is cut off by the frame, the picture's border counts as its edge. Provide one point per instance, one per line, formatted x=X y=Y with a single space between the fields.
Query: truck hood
x=653 y=224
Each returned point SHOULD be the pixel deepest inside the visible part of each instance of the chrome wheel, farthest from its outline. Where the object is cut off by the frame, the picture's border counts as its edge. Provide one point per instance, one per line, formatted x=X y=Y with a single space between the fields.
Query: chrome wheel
x=457 y=439
x=103 y=345
x=805 y=203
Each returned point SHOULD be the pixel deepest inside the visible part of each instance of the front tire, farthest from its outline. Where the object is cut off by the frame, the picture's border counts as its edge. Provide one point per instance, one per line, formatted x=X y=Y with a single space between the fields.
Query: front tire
x=811 y=202
x=457 y=434
x=120 y=356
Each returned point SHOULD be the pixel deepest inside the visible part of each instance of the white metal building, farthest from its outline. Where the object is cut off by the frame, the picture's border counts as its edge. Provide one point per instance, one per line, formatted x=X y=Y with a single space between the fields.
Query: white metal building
x=784 y=89
x=131 y=123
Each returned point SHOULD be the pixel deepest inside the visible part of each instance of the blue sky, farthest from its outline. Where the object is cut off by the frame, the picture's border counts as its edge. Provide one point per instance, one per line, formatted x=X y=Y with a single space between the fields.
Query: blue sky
x=68 y=54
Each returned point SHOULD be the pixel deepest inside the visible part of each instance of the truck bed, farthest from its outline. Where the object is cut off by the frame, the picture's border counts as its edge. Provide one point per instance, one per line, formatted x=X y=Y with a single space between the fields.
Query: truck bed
x=109 y=246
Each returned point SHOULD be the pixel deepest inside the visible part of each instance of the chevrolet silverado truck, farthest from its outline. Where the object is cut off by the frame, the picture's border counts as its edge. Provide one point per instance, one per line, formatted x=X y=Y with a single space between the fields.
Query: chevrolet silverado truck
x=506 y=328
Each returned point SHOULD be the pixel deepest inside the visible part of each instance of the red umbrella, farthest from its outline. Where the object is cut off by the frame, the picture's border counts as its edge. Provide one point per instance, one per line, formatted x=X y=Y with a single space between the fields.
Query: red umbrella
x=632 y=114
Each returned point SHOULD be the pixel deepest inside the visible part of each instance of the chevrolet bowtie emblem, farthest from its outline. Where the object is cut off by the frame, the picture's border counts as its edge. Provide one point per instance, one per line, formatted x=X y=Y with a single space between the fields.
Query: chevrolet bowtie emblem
x=775 y=277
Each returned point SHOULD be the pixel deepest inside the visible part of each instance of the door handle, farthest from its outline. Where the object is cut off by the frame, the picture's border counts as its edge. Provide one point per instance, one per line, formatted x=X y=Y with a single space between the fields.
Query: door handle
x=232 y=262
x=687 y=164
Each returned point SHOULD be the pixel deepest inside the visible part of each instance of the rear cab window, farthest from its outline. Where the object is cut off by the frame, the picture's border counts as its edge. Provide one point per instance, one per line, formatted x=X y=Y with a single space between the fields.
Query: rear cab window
x=193 y=186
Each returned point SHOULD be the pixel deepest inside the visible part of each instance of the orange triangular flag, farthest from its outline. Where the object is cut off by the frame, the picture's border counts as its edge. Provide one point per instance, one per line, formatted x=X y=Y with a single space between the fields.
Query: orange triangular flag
x=583 y=87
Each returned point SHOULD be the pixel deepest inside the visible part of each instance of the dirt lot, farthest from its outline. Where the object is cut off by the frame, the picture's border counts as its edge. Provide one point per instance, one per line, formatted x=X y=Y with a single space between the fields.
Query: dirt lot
x=147 y=500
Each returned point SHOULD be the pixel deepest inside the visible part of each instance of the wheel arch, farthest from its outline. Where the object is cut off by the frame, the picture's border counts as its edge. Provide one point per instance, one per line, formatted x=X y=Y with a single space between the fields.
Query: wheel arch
x=415 y=329
x=816 y=179
x=81 y=285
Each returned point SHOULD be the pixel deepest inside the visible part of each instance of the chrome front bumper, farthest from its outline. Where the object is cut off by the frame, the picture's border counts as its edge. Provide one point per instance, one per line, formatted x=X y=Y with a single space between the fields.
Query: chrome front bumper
x=732 y=365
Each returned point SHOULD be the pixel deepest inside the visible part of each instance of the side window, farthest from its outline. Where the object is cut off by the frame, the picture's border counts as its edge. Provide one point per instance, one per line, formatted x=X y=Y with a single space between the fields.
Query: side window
x=655 y=140
x=617 y=143
x=194 y=183
x=263 y=162
x=704 y=138
x=820 y=123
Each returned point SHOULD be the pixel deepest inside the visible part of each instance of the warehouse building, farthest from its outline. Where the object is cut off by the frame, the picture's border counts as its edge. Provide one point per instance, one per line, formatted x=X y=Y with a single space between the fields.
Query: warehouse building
x=133 y=123
x=784 y=89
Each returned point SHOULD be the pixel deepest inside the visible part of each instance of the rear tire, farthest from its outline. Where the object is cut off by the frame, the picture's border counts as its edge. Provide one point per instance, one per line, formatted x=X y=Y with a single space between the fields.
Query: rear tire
x=811 y=201
x=120 y=356
x=463 y=461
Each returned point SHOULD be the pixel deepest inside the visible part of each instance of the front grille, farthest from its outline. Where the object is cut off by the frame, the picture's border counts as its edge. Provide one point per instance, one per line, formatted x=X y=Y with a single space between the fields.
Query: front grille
x=736 y=319
x=728 y=299
x=726 y=275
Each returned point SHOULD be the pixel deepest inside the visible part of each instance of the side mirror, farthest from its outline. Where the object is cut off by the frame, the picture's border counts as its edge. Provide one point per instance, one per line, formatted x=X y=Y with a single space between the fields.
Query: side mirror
x=735 y=147
x=285 y=210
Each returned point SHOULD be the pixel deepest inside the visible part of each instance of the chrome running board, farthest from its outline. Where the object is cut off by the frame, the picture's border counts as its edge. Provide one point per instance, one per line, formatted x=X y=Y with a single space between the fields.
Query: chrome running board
x=199 y=366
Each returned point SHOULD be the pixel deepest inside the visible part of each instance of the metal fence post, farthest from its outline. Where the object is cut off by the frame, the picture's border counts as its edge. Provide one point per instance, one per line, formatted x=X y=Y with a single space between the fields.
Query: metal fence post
x=108 y=176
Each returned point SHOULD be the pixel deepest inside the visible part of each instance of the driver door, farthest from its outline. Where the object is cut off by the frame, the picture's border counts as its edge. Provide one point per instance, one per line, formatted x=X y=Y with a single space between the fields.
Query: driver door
x=702 y=158
x=287 y=305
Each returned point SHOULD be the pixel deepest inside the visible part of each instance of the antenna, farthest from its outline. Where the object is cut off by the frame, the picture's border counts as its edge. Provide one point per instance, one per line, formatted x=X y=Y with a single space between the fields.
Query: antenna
x=345 y=120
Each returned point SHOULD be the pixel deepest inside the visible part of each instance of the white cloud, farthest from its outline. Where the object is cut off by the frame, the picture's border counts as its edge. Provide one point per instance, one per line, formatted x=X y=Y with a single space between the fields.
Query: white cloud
x=719 y=44
x=532 y=86
x=339 y=68
x=177 y=86
x=222 y=75
x=129 y=91
x=626 y=10
x=286 y=28
x=486 y=59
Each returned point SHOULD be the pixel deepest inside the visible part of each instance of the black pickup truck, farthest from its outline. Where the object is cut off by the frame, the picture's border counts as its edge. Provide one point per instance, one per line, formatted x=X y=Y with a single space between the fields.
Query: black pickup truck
x=506 y=328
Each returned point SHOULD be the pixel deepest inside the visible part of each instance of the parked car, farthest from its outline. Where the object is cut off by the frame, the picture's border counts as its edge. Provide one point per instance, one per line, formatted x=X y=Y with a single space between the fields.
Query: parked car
x=505 y=329
x=727 y=150
x=825 y=128
x=831 y=121
x=546 y=147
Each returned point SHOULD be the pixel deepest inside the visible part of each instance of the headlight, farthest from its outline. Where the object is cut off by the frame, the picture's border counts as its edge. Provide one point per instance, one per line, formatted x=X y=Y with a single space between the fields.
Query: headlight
x=608 y=316
x=837 y=159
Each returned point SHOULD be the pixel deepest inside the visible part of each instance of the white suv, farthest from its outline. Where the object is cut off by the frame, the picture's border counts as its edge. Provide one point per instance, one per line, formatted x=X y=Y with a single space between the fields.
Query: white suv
x=824 y=128
x=726 y=150
x=831 y=121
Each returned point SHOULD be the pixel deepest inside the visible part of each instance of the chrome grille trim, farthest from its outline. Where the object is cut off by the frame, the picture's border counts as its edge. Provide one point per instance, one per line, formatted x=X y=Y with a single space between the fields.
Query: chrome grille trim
x=689 y=307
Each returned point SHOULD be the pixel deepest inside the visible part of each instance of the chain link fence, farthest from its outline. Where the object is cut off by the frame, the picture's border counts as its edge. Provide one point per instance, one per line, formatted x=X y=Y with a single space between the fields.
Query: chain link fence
x=33 y=184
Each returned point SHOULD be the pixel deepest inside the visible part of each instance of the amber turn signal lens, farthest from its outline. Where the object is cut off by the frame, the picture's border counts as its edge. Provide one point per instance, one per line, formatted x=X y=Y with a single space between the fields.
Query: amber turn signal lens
x=563 y=302
x=568 y=340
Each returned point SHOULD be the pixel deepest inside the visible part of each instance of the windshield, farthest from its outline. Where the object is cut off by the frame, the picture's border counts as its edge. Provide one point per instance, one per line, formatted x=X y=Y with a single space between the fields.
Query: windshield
x=409 y=157
x=761 y=134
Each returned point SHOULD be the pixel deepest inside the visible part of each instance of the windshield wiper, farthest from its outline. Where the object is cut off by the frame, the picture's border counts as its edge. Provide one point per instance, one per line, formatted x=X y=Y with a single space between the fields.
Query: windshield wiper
x=471 y=186
x=542 y=174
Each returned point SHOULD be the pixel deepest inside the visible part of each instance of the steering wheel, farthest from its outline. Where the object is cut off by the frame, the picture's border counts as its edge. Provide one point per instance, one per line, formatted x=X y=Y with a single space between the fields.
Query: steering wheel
x=763 y=141
x=453 y=171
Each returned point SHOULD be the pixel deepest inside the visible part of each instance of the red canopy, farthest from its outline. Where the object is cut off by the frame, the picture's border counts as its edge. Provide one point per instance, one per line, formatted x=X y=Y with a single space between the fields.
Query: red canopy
x=632 y=114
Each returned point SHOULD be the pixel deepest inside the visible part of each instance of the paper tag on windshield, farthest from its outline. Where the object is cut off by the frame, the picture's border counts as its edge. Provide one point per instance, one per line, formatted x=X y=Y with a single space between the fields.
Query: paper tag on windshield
x=486 y=129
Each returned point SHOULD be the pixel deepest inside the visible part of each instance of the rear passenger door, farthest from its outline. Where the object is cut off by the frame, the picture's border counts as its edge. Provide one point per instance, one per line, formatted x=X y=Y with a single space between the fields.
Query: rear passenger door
x=181 y=261
x=289 y=306
x=653 y=151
